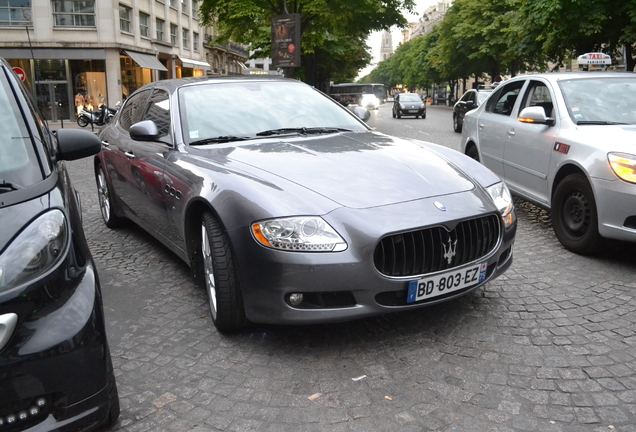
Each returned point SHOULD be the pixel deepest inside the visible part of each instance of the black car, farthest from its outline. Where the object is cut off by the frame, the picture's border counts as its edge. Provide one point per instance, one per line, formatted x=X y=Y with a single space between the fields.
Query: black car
x=408 y=104
x=56 y=372
x=469 y=101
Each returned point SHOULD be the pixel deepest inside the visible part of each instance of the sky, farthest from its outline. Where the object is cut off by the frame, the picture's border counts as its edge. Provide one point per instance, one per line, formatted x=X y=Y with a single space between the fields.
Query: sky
x=375 y=39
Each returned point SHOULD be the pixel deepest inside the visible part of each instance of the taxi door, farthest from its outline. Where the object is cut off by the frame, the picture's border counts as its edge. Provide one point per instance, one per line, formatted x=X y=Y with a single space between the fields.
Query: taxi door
x=529 y=147
x=493 y=125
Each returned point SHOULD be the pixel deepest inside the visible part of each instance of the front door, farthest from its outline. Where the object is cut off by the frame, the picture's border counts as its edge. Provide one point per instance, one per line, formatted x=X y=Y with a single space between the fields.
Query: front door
x=53 y=100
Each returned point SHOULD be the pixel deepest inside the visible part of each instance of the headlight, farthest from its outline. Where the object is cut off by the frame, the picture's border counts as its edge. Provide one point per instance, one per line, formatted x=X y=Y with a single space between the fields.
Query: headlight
x=36 y=250
x=623 y=165
x=402 y=106
x=302 y=234
x=503 y=200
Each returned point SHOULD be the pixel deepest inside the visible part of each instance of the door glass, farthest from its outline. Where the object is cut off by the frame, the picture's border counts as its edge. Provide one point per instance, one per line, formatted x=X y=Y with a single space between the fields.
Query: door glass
x=52 y=99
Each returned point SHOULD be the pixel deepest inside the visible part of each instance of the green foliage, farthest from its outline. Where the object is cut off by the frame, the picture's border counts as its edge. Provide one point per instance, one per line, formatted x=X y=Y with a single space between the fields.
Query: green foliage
x=332 y=31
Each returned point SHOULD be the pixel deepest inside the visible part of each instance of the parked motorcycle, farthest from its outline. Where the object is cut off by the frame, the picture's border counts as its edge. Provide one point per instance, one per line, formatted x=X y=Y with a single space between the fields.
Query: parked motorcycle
x=98 y=117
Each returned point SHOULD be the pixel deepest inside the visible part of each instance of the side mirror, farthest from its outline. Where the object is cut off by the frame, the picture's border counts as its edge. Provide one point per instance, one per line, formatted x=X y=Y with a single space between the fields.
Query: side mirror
x=470 y=104
x=76 y=144
x=362 y=113
x=144 y=131
x=535 y=114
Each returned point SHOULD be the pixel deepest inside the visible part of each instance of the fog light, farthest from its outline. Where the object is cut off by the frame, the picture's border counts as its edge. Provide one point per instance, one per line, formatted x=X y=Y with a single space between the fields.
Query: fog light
x=295 y=299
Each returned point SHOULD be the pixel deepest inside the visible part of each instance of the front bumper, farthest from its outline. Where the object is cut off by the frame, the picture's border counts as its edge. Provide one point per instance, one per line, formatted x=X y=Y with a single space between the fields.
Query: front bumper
x=412 y=111
x=616 y=207
x=346 y=285
x=53 y=371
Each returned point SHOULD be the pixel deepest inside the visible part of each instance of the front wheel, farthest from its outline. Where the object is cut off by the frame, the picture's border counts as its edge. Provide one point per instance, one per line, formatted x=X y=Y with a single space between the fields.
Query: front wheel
x=82 y=121
x=424 y=116
x=574 y=215
x=222 y=286
x=472 y=153
x=457 y=126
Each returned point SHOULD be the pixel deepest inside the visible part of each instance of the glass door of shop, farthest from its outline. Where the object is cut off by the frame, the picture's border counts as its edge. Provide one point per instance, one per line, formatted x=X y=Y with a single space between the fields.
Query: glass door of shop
x=53 y=100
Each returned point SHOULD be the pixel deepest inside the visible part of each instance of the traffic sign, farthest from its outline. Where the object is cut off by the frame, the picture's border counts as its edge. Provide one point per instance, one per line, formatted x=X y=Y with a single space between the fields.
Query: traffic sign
x=20 y=73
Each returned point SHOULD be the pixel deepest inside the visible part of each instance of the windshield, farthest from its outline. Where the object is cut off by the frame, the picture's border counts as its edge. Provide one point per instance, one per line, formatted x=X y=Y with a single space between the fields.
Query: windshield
x=482 y=95
x=601 y=99
x=19 y=166
x=410 y=98
x=247 y=108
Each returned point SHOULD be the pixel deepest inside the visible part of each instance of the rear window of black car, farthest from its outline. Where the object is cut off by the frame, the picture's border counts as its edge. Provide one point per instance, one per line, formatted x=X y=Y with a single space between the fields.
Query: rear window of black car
x=19 y=165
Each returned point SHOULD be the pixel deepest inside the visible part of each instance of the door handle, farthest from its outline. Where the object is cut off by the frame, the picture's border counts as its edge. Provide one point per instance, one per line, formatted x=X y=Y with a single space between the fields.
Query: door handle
x=129 y=155
x=105 y=143
x=511 y=132
x=481 y=125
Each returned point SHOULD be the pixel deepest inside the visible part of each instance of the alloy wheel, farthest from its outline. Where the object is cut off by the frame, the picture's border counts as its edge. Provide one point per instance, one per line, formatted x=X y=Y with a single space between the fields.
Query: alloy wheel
x=208 y=268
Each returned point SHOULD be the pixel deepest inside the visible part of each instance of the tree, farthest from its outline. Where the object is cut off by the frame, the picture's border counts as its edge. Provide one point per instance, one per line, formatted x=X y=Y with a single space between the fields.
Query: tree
x=332 y=31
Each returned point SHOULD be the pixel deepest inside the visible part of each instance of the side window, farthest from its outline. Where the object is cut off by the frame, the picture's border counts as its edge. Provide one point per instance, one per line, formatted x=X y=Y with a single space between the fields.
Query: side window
x=131 y=112
x=467 y=96
x=159 y=111
x=504 y=99
x=538 y=94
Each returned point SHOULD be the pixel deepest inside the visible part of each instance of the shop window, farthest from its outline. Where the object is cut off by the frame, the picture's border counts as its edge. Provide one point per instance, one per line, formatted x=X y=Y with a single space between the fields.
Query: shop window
x=125 y=14
x=15 y=13
x=173 y=34
x=186 y=38
x=74 y=13
x=160 y=25
x=144 y=20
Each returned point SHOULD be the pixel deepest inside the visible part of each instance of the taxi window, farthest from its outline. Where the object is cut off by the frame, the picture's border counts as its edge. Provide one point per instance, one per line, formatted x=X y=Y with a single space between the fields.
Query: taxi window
x=538 y=94
x=504 y=99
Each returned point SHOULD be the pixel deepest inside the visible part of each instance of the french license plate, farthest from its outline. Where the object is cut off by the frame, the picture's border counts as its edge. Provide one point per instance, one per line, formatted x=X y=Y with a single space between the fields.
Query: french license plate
x=443 y=283
x=413 y=111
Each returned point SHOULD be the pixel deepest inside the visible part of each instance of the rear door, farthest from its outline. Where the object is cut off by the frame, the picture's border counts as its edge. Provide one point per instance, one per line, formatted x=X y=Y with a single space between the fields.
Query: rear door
x=493 y=125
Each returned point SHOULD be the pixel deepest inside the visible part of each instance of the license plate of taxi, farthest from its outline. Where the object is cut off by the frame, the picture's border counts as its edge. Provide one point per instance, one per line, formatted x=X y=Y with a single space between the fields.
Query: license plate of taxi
x=413 y=111
x=446 y=282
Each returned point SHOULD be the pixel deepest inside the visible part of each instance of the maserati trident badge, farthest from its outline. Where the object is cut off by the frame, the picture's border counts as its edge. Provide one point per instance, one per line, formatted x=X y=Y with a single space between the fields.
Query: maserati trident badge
x=450 y=251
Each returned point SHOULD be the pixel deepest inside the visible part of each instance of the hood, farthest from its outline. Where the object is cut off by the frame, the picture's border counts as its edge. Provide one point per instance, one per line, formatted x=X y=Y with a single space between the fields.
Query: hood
x=357 y=170
x=622 y=137
x=12 y=224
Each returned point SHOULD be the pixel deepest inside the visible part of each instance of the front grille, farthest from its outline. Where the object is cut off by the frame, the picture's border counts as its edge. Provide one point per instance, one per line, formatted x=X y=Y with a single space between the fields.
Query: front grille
x=431 y=249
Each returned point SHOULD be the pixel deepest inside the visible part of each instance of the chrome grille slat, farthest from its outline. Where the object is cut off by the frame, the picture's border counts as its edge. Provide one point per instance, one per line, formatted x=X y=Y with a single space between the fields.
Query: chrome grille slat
x=422 y=251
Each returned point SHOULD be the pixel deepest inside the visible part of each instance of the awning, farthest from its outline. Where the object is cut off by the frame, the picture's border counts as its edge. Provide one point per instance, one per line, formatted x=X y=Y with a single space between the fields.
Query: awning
x=194 y=64
x=146 y=61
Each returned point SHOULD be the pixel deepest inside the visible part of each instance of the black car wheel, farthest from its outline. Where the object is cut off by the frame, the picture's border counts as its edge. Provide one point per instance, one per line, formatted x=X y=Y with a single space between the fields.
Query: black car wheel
x=82 y=121
x=113 y=397
x=224 y=294
x=457 y=126
x=105 y=200
x=424 y=116
x=574 y=215
x=393 y=112
x=399 y=115
x=472 y=153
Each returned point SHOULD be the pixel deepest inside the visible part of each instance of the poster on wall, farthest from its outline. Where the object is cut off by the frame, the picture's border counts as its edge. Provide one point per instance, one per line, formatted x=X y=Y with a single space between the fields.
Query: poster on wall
x=286 y=41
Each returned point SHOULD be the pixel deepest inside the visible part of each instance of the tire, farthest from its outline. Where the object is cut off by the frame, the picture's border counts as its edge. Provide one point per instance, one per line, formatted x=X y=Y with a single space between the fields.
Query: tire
x=423 y=116
x=105 y=200
x=221 y=282
x=457 y=126
x=574 y=215
x=399 y=115
x=472 y=153
x=393 y=112
x=113 y=396
x=82 y=121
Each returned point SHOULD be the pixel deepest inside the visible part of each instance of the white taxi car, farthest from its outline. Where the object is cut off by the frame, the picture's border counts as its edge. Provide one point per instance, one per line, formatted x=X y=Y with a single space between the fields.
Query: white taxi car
x=566 y=142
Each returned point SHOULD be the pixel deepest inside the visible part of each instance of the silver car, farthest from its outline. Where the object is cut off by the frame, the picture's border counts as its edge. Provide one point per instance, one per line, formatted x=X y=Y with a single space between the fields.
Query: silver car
x=299 y=213
x=566 y=142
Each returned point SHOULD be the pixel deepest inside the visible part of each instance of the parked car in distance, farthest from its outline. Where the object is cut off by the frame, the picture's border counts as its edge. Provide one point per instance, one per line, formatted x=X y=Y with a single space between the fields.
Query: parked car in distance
x=56 y=372
x=408 y=104
x=470 y=100
x=299 y=214
x=566 y=142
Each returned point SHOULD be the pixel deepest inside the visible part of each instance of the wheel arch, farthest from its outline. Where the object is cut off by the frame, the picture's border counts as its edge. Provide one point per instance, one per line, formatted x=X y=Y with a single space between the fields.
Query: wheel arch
x=562 y=173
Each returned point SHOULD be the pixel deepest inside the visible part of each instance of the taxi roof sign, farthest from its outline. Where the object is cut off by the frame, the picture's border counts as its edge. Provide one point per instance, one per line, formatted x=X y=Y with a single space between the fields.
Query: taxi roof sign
x=594 y=58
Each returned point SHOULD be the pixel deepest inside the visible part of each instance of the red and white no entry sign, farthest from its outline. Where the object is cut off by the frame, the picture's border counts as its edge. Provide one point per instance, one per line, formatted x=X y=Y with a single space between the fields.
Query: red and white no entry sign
x=19 y=72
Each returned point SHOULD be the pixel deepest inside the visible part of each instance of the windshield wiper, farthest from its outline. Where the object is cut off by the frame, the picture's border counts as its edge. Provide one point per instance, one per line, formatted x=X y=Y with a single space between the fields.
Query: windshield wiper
x=598 y=122
x=6 y=186
x=302 y=131
x=219 y=139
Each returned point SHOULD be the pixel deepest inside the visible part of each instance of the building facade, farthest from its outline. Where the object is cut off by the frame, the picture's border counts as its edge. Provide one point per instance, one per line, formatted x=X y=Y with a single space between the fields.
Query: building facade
x=73 y=54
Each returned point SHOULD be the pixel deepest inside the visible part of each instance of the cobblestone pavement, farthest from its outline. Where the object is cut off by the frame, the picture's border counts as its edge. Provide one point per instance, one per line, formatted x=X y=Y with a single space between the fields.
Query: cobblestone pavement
x=551 y=346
